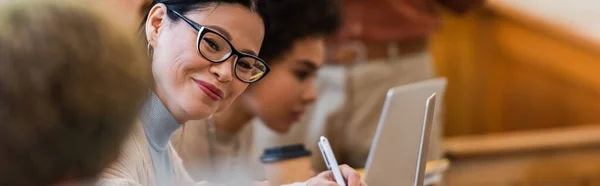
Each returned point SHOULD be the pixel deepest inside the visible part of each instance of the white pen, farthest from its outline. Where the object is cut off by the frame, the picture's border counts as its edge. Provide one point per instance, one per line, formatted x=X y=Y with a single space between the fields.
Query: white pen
x=330 y=160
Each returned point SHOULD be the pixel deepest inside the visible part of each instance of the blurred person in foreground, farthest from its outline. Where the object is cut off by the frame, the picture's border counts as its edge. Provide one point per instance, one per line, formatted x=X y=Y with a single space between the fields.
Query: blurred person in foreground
x=382 y=44
x=71 y=84
x=131 y=11
x=294 y=46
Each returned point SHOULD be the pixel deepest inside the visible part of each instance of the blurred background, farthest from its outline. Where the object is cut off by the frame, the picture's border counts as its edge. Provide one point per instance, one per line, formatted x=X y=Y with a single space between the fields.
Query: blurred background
x=523 y=97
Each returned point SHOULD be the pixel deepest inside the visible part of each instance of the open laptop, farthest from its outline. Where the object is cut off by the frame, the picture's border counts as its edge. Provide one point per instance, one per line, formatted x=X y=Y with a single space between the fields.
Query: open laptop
x=400 y=146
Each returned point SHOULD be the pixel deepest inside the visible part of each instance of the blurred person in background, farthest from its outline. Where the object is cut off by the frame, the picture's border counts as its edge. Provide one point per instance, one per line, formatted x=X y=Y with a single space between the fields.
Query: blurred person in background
x=294 y=46
x=204 y=55
x=382 y=44
x=71 y=85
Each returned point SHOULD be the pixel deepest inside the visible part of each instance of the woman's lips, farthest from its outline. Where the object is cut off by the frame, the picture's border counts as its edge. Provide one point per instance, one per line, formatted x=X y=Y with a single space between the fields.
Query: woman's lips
x=210 y=90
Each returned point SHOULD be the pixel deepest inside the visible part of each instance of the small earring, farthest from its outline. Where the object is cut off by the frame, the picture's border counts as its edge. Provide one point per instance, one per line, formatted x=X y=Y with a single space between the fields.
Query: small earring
x=149 y=51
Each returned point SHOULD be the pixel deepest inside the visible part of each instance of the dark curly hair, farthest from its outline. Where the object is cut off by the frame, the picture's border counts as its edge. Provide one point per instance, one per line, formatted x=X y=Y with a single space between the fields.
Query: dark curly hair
x=71 y=84
x=293 y=20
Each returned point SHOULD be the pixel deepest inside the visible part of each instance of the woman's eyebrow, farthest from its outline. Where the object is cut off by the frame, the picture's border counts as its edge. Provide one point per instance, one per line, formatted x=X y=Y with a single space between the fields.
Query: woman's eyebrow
x=221 y=30
x=249 y=52
x=227 y=36
x=308 y=64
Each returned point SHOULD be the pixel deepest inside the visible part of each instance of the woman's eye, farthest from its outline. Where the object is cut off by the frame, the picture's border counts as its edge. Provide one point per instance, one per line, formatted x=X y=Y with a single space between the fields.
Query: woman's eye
x=244 y=64
x=302 y=75
x=212 y=44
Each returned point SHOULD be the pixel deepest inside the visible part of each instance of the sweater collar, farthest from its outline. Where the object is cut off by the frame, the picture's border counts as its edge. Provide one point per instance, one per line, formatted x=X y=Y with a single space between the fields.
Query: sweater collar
x=158 y=123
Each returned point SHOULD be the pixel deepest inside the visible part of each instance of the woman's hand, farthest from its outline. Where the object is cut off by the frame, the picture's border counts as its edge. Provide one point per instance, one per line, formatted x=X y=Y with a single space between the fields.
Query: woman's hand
x=326 y=178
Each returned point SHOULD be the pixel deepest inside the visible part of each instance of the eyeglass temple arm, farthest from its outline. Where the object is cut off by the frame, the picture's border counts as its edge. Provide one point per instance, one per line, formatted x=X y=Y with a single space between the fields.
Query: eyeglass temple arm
x=195 y=25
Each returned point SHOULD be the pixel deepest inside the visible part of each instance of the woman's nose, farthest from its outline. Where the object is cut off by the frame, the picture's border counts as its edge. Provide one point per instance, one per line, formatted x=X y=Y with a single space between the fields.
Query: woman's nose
x=310 y=93
x=223 y=71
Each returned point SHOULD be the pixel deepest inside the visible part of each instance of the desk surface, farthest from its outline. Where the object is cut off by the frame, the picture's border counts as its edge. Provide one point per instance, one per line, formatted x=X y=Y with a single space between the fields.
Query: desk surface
x=433 y=171
x=577 y=16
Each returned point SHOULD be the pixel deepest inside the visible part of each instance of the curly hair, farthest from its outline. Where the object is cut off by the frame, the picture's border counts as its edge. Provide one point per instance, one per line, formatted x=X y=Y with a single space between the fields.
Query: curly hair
x=293 y=20
x=71 y=84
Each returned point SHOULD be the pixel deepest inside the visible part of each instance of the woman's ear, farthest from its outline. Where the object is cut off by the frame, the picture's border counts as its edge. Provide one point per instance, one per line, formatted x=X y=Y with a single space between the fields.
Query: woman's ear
x=155 y=22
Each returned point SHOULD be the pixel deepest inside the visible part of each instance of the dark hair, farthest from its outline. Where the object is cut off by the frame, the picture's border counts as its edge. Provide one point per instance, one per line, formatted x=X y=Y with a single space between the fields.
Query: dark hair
x=71 y=84
x=186 y=6
x=293 y=20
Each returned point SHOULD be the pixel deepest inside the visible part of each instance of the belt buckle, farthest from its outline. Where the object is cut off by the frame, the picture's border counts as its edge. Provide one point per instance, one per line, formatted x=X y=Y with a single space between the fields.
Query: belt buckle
x=393 y=51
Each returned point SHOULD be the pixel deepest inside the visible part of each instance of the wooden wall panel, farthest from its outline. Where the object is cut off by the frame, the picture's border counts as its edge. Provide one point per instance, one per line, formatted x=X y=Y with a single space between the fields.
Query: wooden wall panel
x=510 y=72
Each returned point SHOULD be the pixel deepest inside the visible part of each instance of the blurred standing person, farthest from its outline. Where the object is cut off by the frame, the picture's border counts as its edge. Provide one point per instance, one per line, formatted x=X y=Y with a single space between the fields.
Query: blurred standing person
x=383 y=44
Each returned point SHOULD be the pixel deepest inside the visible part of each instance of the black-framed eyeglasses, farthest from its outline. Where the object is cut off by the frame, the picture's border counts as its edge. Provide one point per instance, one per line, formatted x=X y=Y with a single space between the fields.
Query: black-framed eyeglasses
x=215 y=48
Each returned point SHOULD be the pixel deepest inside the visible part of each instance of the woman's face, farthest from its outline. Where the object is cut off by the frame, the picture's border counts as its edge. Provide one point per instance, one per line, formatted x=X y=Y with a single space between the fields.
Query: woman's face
x=281 y=98
x=185 y=81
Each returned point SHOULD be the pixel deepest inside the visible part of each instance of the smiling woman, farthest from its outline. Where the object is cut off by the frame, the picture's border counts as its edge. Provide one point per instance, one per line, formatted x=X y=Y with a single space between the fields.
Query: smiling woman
x=294 y=46
x=181 y=69
x=203 y=56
